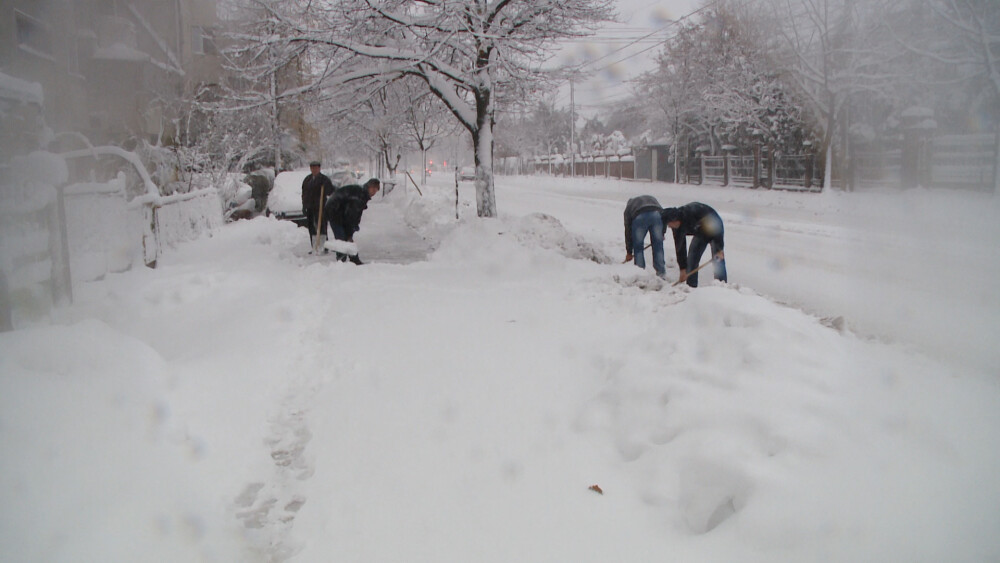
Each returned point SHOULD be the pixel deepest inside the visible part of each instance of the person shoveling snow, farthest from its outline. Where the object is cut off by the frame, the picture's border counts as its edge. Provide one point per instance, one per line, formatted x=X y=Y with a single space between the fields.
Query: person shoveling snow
x=343 y=211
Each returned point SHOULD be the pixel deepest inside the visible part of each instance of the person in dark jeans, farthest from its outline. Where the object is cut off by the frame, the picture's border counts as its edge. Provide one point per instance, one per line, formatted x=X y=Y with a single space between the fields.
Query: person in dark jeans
x=343 y=211
x=642 y=215
x=316 y=188
x=704 y=225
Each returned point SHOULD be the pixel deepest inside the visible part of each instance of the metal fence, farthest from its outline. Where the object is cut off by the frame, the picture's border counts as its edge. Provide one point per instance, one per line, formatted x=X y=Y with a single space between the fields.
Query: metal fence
x=34 y=273
x=967 y=162
x=791 y=172
x=51 y=235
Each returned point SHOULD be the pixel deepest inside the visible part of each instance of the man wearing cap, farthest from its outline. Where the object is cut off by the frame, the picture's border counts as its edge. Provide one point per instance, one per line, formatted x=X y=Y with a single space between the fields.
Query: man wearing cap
x=704 y=226
x=316 y=187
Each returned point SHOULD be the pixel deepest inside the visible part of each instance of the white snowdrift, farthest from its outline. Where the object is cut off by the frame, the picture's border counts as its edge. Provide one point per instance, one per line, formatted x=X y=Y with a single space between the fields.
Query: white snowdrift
x=248 y=402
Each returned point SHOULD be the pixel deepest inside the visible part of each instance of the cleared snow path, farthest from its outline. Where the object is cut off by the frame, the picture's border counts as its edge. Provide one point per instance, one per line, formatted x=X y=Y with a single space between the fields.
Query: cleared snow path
x=386 y=237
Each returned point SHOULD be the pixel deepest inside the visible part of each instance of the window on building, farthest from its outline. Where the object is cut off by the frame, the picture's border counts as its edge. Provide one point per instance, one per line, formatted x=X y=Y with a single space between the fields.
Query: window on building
x=33 y=34
x=203 y=40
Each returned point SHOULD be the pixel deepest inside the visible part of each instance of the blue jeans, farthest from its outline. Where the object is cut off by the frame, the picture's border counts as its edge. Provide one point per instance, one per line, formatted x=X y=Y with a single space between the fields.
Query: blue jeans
x=649 y=222
x=715 y=239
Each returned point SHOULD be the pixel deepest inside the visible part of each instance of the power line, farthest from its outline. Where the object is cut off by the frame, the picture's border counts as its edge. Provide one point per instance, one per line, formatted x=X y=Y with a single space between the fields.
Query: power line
x=645 y=38
x=658 y=42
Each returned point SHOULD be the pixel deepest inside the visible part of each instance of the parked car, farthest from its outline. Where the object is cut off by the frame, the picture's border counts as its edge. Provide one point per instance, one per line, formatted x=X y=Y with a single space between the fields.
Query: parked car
x=285 y=199
x=467 y=173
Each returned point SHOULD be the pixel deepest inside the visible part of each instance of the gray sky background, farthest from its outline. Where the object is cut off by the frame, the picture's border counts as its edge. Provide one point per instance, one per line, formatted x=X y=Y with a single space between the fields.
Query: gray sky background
x=620 y=51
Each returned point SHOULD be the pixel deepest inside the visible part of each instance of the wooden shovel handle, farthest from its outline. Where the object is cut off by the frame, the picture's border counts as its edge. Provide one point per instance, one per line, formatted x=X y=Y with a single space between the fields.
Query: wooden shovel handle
x=719 y=256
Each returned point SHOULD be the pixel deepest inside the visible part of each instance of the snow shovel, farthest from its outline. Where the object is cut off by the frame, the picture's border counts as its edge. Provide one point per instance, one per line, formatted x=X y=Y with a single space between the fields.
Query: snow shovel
x=319 y=219
x=346 y=250
x=720 y=256
x=342 y=247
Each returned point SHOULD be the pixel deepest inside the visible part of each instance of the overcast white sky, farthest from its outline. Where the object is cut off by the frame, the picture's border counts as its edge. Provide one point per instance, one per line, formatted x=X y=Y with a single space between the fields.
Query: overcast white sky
x=621 y=51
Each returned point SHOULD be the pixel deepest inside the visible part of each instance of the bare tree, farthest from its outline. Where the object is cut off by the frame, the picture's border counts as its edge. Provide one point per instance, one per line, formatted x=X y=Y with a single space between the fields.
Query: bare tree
x=829 y=51
x=960 y=40
x=468 y=53
x=267 y=73
x=427 y=120
x=672 y=93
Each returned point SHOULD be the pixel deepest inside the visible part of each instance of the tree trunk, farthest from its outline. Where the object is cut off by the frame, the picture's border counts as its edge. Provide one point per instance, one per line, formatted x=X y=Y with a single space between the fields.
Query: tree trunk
x=275 y=124
x=482 y=144
x=828 y=167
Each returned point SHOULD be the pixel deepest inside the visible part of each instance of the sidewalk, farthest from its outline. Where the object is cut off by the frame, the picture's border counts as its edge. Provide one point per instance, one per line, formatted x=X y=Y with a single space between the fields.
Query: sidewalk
x=385 y=236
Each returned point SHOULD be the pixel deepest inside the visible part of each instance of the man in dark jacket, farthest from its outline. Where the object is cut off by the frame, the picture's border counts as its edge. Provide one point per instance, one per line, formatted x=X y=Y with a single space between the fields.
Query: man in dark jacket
x=704 y=225
x=642 y=215
x=316 y=188
x=344 y=210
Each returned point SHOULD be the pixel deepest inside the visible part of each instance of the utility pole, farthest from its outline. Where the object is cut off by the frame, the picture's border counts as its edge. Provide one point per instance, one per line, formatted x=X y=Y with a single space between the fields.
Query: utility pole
x=572 y=131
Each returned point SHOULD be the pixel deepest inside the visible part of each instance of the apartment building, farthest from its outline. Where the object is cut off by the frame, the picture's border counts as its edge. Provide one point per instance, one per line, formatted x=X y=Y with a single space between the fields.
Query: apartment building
x=112 y=70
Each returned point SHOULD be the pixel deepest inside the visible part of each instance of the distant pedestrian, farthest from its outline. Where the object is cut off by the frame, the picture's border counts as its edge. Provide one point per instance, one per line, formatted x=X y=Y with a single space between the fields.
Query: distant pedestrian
x=704 y=225
x=642 y=215
x=316 y=188
x=343 y=211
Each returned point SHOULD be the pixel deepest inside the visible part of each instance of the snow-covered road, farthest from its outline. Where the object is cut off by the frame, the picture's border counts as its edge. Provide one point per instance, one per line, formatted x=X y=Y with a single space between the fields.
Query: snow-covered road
x=914 y=267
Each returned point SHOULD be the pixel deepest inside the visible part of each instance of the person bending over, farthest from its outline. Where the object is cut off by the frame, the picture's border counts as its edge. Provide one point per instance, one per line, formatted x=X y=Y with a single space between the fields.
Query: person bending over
x=344 y=210
x=704 y=226
x=642 y=215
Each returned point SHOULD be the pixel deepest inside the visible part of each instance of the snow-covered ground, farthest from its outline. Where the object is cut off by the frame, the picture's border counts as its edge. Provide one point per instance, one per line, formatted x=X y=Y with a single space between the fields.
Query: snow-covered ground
x=456 y=398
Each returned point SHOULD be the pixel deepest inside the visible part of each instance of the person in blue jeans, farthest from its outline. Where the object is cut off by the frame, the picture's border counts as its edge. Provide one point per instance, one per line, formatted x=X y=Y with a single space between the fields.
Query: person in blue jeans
x=704 y=226
x=642 y=216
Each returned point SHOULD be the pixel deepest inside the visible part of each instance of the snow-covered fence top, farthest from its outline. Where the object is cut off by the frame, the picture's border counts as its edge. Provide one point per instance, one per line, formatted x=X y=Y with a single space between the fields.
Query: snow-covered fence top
x=183 y=217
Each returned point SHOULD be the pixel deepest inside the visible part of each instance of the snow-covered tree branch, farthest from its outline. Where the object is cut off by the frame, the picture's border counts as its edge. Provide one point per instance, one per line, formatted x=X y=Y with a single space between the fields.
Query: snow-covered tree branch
x=468 y=53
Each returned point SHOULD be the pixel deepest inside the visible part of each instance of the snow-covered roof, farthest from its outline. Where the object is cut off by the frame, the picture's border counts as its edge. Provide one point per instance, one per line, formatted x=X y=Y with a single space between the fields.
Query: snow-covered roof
x=12 y=88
